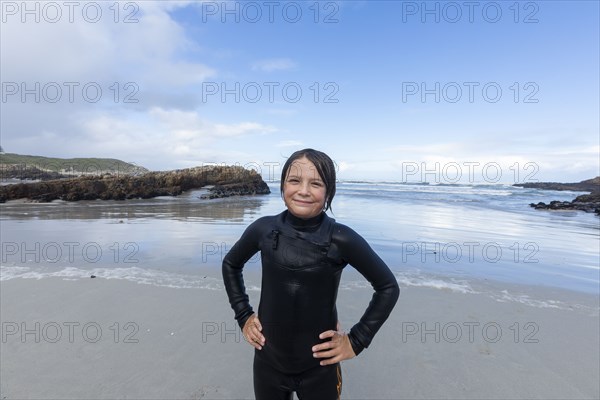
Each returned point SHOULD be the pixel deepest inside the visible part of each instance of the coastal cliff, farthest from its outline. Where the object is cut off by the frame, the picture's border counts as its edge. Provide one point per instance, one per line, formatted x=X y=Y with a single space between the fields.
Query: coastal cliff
x=227 y=181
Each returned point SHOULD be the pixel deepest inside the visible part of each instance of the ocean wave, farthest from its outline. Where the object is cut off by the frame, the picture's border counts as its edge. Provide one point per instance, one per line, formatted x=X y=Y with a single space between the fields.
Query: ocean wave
x=181 y=281
x=505 y=296
x=132 y=274
x=463 y=287
x=453 y=285
x=382 y=183
x=433 y=189
x=415 y=279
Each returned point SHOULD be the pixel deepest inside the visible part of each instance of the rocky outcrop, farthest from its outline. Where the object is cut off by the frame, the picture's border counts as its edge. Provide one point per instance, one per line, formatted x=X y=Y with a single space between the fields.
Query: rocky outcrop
x=227 y=181
x=589 y=185
x=586 y=202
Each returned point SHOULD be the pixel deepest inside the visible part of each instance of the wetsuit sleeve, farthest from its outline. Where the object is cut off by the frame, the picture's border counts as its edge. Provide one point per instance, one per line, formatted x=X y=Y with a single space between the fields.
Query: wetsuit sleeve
x=357 y=252
x=233 y=263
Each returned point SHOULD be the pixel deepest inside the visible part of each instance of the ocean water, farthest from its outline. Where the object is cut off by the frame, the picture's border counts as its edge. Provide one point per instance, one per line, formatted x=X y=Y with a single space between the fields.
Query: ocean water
x=441 y=236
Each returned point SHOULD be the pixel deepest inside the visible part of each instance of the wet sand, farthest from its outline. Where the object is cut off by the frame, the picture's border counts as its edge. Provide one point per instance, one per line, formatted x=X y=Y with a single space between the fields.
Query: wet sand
x=114 y=339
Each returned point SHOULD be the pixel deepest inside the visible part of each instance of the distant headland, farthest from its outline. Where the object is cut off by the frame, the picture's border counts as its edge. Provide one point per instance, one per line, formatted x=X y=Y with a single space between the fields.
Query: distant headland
x=28 y=167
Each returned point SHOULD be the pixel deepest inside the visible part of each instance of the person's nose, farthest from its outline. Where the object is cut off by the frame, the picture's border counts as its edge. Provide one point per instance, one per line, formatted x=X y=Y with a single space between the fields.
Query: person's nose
x=304 y=189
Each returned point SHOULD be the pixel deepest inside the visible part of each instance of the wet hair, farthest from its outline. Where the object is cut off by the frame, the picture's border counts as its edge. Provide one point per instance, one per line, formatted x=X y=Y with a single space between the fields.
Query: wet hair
x=325 y=168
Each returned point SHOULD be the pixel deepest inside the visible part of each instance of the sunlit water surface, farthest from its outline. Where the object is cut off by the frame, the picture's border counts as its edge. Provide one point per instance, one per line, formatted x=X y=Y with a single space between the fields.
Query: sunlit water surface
x=436 y=235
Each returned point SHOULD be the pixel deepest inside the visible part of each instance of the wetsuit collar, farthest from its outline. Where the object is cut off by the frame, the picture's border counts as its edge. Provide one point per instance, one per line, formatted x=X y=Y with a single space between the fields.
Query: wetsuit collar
x=302 y=223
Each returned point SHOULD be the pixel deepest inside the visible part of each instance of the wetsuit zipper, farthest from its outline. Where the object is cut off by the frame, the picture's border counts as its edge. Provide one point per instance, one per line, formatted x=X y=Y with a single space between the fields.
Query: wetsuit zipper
x=323 y=247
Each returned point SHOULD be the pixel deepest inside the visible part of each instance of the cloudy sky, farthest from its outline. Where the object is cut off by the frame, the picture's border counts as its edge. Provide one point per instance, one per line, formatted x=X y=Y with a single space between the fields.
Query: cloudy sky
x=393 y=90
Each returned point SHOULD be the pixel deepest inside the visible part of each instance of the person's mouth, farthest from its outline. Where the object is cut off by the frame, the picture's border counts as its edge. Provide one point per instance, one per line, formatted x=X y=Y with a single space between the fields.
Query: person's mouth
x=303 y=202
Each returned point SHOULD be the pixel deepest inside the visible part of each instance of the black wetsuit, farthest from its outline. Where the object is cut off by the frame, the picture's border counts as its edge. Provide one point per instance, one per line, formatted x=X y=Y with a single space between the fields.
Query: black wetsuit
x=302 y=262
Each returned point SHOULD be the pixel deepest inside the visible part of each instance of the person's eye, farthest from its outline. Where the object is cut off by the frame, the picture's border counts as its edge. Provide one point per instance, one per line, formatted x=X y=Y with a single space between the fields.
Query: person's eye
x=293 y=180
x=318 y=184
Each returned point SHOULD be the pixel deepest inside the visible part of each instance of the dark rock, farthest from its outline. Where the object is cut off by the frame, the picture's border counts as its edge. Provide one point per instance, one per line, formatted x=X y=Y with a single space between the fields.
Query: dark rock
x=585 y=202
x=256 y=186
x=227 y=181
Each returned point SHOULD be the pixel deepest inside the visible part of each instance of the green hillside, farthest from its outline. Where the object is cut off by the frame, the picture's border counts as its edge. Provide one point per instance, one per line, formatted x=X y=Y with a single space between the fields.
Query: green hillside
x=18 y=165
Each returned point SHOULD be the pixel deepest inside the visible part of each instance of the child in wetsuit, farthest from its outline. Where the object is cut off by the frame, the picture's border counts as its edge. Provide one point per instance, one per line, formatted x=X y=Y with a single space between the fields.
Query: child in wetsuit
x=295 y=333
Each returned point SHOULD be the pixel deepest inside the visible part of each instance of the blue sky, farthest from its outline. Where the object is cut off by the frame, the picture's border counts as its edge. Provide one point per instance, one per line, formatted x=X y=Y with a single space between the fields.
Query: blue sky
x=509 y=86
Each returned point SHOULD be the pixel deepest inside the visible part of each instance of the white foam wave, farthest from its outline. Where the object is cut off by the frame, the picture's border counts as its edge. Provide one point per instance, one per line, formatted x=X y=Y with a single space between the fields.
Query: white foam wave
x=181 y=281
x=133 y=274
x=414 y=279
x=452 y=285
x=505 y=296
x=8 y=273
x=461 y=286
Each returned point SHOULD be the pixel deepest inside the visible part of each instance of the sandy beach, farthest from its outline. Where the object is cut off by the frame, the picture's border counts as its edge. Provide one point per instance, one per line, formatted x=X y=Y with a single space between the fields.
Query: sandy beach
x=156 y=323
x=115 y=339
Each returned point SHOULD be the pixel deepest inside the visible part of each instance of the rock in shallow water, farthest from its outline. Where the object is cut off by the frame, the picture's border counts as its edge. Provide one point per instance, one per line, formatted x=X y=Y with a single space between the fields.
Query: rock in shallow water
x=237 y=189
x=585 y=202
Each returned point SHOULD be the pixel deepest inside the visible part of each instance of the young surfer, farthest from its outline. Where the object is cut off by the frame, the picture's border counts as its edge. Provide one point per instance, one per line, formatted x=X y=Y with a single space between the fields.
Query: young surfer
x=296 y=333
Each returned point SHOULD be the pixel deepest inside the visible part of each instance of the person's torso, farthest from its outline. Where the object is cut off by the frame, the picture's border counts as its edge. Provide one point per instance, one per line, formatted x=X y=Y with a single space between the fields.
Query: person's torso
x=300 y=279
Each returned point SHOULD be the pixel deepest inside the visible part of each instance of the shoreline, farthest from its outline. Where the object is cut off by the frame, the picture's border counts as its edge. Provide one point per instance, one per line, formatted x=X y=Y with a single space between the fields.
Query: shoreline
x=120 y=339
x=208 y=278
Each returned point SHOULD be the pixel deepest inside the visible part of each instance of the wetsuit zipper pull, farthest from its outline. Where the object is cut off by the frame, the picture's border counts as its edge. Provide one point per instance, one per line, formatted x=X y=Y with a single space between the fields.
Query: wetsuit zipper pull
x=275 y=239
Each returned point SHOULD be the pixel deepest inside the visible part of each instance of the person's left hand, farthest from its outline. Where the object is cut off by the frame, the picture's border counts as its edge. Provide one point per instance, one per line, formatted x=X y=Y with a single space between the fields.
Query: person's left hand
x=335 y=350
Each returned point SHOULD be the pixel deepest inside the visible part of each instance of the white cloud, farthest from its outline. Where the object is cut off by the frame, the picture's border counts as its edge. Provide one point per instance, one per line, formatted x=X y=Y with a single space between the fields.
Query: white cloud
x=148 y=52
x=344 y=166
x=274 y=64
x=289 y=143
x=159 y=138
x=162 y=129
x=241 y=129
x=281 y=112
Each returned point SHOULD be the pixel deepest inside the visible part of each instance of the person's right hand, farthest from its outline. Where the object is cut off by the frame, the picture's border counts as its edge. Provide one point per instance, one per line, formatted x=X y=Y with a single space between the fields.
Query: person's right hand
x=252 y=332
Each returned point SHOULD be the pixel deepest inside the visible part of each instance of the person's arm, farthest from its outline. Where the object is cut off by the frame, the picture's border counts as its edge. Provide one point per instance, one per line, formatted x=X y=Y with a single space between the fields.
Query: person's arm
x=357 y=252
x=233 y=263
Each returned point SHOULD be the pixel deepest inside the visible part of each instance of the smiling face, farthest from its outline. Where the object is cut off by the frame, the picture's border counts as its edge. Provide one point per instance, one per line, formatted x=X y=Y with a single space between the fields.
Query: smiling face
x=304 y=190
